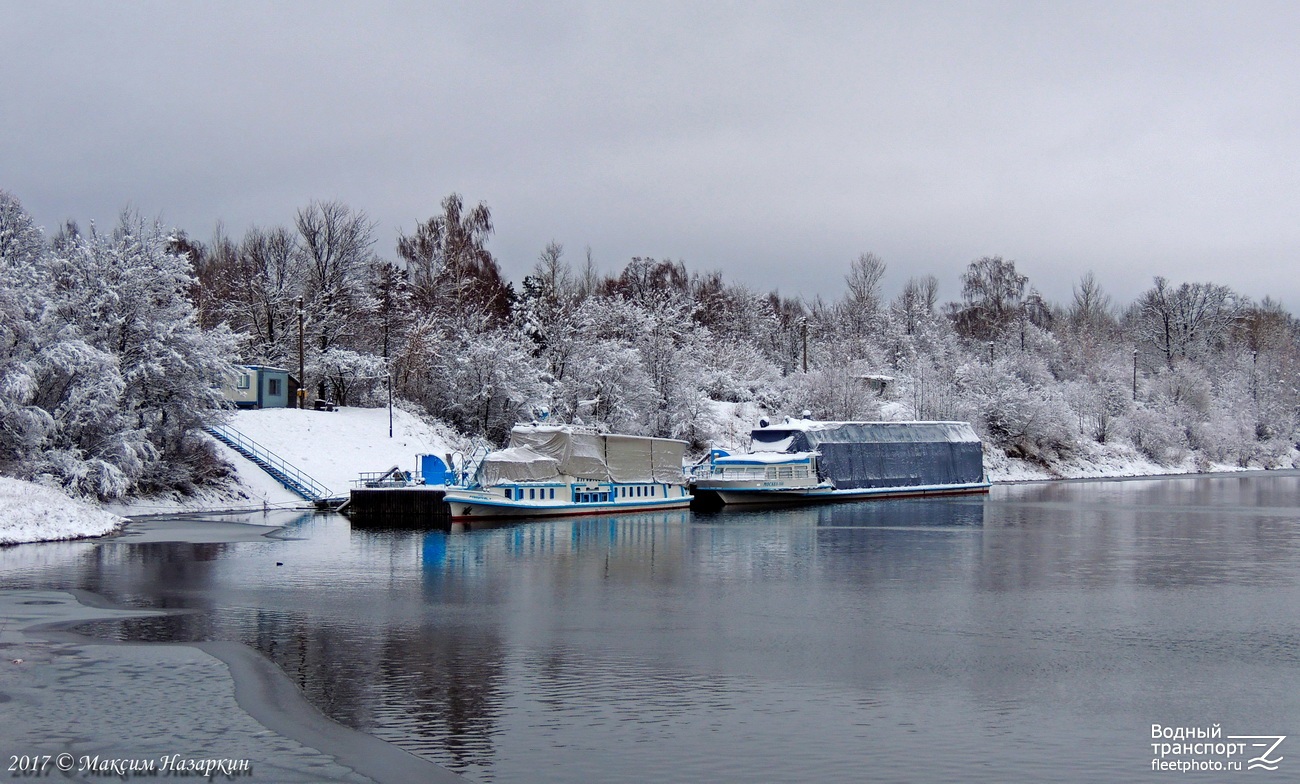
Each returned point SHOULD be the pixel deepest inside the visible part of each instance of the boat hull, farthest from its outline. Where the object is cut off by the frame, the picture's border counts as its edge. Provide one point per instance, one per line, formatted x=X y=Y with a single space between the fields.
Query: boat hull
x=471 y=505
x=783 y=495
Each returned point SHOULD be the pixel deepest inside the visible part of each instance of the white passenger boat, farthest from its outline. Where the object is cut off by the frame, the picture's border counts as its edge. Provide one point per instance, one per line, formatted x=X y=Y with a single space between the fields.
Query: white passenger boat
x=564 y=470
x=807 y=460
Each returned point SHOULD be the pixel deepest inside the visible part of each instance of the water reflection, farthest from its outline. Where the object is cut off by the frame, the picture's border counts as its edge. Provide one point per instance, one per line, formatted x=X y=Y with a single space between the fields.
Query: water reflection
x=761 y=644
x=1168 y=533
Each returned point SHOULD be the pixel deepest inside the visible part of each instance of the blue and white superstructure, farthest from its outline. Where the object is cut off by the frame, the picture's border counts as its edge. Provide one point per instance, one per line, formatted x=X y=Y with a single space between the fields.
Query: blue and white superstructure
x=808 y=460
x=565 y=470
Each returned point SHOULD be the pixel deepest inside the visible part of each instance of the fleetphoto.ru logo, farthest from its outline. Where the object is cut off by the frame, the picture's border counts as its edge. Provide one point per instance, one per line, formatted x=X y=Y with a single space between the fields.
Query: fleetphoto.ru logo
x=1195 y=749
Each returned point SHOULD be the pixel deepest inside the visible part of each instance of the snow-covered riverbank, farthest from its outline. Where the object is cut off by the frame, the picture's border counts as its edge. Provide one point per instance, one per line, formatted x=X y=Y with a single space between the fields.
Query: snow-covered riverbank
x=32 y=513
x=332 y=447
x=1114 y=460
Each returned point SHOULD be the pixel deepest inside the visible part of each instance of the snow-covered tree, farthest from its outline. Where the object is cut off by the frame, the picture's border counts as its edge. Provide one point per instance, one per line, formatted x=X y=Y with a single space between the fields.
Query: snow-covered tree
x=1186 y=321
x=337 y=244
x=260 y=286
x=992 y=296
x=126 y=295
x=107 y=375
x=861 y=307
x=453 y=275
x=916 y=305
x=546 y=308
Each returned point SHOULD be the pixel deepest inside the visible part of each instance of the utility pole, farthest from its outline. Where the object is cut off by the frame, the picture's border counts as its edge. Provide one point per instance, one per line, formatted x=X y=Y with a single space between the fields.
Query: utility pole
x=302 y=379
x=390 y=400
x=1135 y=375
x=1254 y=377
x=804 y=330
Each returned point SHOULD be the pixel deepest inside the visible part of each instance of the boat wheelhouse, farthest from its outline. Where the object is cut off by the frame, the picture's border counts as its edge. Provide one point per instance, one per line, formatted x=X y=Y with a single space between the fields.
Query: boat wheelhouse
x=807 y=460
x=563 y=470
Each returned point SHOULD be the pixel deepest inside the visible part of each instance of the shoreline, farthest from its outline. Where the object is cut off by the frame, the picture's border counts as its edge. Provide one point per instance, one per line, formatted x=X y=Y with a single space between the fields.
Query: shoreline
x=1216 y=474
x=53 y=672
x=132 y=521
x=307 y=507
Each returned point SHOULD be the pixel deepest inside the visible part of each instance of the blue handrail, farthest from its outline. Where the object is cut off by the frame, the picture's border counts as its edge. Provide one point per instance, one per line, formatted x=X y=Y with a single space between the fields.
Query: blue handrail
x=284 y=472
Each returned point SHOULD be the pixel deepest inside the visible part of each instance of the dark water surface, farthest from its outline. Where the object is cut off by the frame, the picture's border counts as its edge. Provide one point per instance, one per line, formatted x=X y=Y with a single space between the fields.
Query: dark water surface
x=1035 y=635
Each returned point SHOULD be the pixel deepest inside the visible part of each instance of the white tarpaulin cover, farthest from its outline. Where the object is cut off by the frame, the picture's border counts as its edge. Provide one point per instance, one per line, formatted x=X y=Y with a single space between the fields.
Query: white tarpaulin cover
x=518 y=464
x=668 y=456
x=602 y=457
x=579 y=454
x=630 y=459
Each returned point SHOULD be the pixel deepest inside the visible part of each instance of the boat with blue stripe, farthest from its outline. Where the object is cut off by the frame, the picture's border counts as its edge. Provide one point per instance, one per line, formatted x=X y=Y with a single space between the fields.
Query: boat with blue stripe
x=566 y=470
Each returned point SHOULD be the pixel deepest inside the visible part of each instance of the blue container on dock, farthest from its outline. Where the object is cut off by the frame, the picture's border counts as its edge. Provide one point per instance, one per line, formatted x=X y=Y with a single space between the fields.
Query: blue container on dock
x=434 y=470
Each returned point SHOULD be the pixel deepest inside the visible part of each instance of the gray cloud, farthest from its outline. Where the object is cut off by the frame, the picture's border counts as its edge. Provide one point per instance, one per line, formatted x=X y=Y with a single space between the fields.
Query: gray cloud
x=772 y=141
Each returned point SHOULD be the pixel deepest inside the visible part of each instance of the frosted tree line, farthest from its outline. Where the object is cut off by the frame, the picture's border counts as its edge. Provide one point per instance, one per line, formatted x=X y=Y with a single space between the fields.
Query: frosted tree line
x=112 y=342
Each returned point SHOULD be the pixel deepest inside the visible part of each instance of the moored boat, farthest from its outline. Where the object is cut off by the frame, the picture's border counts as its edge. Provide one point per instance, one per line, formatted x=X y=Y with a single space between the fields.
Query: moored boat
x=806 y=460
x=564 y=470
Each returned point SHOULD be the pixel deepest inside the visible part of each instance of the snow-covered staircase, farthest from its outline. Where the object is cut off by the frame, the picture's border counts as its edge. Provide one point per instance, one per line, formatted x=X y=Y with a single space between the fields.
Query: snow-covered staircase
x=293 y=479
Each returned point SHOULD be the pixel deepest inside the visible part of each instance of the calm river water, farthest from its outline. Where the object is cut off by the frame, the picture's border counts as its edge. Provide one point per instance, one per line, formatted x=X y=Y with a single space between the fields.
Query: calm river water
x=1035 y=635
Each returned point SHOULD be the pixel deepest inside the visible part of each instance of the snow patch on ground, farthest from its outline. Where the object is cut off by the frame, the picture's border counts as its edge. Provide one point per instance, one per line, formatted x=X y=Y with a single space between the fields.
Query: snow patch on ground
x=34 y=513
x=1095 y=461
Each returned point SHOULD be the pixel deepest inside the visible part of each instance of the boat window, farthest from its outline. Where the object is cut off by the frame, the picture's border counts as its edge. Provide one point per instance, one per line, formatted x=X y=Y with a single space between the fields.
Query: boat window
x=531 y=497
x=506 y=492
x=552 y=492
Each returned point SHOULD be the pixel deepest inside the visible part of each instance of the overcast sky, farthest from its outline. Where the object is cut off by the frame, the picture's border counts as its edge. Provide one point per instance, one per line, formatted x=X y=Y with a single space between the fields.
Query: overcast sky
x=775 y=142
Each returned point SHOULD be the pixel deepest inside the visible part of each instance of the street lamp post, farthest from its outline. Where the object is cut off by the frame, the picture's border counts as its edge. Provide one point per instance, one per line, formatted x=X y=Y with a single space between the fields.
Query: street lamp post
x=302 y=381
x=1135 y=375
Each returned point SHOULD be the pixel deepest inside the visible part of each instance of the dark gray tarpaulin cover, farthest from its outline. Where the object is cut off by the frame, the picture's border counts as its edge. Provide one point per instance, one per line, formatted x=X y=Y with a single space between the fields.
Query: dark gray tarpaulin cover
x=882 y=454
